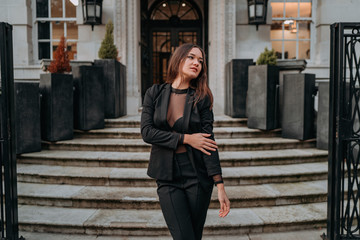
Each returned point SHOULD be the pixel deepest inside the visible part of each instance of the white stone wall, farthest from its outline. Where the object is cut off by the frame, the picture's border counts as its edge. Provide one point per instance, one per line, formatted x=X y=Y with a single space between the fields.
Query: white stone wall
x=326 y=13
x=89 y=41
x=18 y=13
x=249 y=41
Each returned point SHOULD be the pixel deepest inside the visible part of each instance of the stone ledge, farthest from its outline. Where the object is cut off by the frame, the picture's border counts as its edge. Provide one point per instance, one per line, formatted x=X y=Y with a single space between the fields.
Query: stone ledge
x=292 y=64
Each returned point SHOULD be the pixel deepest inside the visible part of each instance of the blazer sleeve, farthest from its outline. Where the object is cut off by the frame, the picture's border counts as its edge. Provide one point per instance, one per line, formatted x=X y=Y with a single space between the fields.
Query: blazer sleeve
x=211 y=162
x=149 y=132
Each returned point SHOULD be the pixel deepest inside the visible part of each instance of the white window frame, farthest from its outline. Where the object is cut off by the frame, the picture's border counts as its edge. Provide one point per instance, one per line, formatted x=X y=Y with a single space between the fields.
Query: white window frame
x=51 y=20
x=297 y=19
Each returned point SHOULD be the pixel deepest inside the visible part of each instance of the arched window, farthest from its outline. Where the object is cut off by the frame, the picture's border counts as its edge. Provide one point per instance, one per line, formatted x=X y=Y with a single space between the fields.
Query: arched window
x=174 y=10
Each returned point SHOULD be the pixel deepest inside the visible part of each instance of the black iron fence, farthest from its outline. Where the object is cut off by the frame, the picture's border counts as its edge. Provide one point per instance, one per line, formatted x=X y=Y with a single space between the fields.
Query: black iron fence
x=344 y=133
x=8 y=188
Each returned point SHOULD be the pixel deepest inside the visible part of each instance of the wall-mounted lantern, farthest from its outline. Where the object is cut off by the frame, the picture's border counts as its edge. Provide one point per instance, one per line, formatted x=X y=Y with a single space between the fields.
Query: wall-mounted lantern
x=257 y=10
x=92 y=12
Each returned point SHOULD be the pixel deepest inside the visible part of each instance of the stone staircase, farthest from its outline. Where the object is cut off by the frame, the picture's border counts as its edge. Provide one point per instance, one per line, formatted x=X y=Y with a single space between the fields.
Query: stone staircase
x=96 y=184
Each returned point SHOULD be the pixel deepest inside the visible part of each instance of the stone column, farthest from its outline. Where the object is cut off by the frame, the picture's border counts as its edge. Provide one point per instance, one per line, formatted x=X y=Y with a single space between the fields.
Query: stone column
x=222 y=23
x=127 y=37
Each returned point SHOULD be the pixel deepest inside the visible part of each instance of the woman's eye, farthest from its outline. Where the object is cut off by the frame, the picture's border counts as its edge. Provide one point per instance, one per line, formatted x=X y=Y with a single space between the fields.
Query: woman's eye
x=191 y=57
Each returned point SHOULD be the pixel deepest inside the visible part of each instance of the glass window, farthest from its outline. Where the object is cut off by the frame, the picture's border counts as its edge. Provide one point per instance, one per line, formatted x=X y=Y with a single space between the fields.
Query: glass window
x=72 y=30
x=42 y=8
x=43 y=30
x=291 y=28
x=70 y=9
x=61 y=22
x=181 y=9
x=44 y=50
x=56 y=8
x=57 y=30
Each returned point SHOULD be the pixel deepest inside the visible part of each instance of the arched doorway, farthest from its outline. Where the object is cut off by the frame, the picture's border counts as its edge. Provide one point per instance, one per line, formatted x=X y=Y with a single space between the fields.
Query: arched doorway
x=165 y=25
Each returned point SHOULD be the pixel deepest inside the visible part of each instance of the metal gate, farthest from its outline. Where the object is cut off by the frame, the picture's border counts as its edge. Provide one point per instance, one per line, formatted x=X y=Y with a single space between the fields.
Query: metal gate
x=344 y=133
x=8 y=188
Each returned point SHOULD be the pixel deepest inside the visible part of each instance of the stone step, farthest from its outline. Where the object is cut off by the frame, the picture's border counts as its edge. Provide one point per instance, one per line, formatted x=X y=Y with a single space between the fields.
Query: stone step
x=137 y=145
x=240 y=221
x=136 y=177
x=220 y=133
x=310 y=234
x=107 y=197
x=133 y=121
x=141 y=159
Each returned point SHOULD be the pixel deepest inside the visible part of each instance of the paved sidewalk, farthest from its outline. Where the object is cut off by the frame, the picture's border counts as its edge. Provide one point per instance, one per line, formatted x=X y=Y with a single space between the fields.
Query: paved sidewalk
x=296 y=235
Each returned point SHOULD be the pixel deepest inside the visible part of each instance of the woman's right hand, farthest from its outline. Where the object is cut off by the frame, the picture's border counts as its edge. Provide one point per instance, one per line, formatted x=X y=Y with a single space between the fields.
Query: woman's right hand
x=201 y=142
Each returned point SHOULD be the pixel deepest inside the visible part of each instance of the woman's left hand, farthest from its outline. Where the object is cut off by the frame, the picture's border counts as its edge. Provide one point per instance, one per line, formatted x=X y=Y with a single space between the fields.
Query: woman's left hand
x=224 y=201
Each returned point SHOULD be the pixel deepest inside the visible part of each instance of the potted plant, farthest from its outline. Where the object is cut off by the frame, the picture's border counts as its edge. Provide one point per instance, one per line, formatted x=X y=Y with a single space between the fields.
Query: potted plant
x=262 y=95
x=56 y=89
x=113 y=75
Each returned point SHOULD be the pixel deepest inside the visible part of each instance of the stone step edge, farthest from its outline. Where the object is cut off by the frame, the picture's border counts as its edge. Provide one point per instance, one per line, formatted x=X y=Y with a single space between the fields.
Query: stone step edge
x=129 y=146
x=115 y=177
x=99 y=222
x=137 y=199
x=131 y=159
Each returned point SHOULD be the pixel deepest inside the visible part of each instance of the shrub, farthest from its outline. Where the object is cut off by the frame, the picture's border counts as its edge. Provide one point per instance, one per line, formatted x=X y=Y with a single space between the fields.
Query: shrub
x=61 y=62
x=267 y=57
x=108 y=49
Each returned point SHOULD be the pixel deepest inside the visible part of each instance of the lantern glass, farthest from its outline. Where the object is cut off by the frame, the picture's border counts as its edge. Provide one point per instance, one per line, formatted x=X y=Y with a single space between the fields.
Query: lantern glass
x=90 y=11
x=259 y=10
x=252 y=11
x=97 y=11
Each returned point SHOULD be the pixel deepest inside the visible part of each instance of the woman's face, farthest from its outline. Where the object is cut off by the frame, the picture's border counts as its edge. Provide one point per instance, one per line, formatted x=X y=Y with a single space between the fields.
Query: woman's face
x=193 y=64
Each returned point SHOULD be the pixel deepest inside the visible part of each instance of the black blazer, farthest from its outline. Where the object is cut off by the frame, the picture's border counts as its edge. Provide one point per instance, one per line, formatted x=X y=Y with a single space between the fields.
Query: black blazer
x=156 y=131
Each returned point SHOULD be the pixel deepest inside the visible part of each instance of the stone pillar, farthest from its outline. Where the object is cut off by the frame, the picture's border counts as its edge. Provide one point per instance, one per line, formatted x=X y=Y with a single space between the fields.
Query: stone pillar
x=222 y=38
x=127 y=38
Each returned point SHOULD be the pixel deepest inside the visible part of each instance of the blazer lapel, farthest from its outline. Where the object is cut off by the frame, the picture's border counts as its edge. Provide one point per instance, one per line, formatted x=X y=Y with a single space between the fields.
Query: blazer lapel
x=162 y=106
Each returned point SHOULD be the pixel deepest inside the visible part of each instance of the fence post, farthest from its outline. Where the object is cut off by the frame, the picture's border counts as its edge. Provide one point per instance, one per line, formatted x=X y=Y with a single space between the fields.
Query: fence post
x=7 y=131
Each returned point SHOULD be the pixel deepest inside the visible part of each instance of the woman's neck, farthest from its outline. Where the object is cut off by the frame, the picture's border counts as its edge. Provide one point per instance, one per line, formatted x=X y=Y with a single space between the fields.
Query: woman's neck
x=180 y=83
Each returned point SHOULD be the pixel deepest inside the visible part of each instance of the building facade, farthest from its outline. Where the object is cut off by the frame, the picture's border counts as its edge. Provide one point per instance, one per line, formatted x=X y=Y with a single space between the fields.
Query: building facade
x=146 y=32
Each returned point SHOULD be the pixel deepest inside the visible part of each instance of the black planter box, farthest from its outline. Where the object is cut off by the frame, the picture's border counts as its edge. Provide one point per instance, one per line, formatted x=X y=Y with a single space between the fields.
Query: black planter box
x=236 y=86
x=57 y=119
x=298 y=106
x=114 y=76
x=262 y=97
x=27 y=113
x=88 y=97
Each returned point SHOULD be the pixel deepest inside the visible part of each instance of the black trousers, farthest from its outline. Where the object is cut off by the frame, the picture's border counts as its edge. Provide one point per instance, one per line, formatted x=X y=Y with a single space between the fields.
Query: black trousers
x=183 y=201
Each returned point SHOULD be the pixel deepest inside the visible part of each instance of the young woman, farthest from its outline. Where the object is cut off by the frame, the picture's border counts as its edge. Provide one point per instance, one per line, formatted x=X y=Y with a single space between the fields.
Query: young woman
x=177 y=119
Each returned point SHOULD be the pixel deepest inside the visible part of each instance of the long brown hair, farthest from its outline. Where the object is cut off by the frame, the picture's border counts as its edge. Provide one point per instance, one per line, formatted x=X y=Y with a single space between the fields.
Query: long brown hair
x=200 y=84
